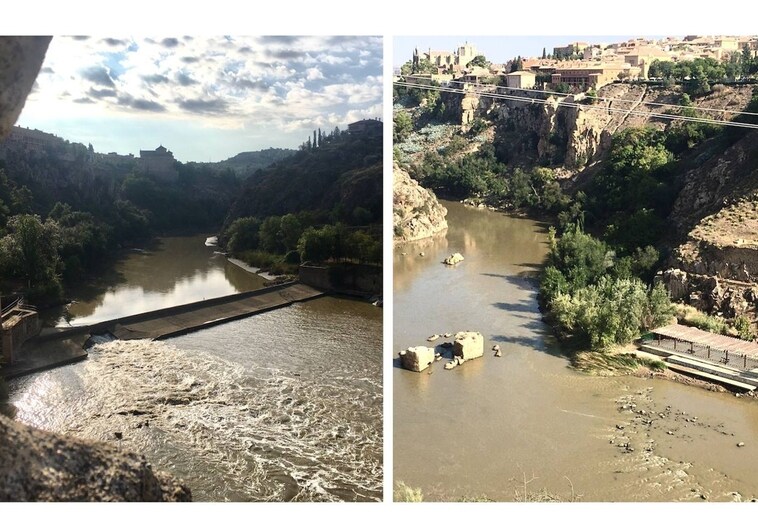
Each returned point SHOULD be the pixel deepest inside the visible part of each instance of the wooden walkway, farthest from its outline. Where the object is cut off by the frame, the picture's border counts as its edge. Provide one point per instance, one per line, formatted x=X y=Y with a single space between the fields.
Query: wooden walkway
x=690 y=334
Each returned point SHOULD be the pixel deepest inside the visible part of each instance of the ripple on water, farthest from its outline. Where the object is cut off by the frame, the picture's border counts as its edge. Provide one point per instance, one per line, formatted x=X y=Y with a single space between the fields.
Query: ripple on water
x=231 y=433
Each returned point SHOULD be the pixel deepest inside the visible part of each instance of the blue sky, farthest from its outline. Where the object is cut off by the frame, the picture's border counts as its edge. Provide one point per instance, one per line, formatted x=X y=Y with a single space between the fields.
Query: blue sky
x=204 y=98
x=496 y=49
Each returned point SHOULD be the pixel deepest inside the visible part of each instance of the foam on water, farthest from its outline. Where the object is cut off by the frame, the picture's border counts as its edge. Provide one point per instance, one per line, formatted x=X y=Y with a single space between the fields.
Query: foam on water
x=230 y=431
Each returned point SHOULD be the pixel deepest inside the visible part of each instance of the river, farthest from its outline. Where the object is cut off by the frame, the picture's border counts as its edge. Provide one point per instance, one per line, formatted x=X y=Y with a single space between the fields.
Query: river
x=526 y=425
x=281 y=406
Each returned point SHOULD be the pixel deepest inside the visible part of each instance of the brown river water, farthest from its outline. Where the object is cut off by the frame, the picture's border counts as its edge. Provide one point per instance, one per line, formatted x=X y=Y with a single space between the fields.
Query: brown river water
x=495 y=426
x=281 y=406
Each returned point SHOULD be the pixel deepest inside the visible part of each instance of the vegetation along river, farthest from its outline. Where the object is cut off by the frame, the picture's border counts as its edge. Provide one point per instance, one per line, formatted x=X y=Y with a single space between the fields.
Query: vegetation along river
x=526 y=424
x=285 y=405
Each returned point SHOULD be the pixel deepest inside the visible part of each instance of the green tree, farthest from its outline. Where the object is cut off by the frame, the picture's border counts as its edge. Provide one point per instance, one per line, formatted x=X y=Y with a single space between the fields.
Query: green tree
x=243 y=234
x=402 y=126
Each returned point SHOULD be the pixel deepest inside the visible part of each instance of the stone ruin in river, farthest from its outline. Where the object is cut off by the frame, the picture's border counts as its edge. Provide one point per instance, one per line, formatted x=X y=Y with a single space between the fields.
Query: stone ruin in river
x=465 y=346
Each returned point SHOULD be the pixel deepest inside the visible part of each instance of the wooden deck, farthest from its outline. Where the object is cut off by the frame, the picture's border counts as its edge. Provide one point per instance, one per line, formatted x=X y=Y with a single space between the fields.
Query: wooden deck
x=690 y=334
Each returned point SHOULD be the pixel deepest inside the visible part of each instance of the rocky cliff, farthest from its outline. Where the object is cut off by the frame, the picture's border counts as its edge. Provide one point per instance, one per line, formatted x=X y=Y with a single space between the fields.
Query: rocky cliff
x=714 y=267
x=578 y=136
x=41 y=466
x=416 y=212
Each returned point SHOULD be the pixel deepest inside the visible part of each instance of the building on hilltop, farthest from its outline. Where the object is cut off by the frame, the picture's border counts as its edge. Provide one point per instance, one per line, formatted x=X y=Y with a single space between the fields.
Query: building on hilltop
x=521 y=79
x=449 y=61
x=370 y=126
x=159 y=163
x=23 y=139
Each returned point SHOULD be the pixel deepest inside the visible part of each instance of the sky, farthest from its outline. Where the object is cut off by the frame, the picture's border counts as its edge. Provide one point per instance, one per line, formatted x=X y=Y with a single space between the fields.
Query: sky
x=497 y=49
x=204 y=98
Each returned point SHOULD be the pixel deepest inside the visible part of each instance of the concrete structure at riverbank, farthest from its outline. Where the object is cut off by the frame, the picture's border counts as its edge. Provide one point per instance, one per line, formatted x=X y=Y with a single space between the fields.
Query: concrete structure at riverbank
x=59 y=346
x=18 y=324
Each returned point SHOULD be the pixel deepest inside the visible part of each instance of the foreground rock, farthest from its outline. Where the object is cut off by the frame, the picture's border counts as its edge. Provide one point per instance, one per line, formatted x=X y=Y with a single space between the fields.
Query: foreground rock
x=417 y=358
x=40 y=466
x=468 y=345
x=20 y=61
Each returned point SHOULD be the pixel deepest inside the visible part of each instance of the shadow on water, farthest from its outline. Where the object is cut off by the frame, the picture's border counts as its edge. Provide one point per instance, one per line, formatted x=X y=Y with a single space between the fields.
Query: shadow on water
x=515 y=307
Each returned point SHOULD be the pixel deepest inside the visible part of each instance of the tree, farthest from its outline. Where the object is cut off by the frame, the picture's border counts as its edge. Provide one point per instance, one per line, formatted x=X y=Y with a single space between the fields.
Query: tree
x=243 y=234
x=544 y=53
x=480 y=61
x=402 y=126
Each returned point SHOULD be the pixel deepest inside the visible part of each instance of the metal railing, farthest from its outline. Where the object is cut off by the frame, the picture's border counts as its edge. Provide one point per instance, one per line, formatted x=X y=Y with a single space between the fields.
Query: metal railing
x=731 y=359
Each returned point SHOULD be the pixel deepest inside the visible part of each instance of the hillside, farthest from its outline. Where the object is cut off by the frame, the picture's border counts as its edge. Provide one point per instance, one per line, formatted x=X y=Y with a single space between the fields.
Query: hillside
x=679 y=197
x=247 y=162
x=339 y=181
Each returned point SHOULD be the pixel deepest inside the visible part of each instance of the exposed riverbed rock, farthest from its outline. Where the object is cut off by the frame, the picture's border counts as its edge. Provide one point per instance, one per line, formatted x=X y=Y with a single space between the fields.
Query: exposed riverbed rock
x=468 y=345
x=40 y=466
x=416 y=213
x=453 y=259
x=417 y=358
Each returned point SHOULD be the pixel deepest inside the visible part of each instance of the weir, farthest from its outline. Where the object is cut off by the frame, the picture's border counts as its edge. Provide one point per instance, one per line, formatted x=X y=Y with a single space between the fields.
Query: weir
x=58 y=346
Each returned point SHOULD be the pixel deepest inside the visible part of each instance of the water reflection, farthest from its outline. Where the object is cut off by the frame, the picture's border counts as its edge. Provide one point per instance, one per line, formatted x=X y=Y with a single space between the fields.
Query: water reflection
x=174 y=270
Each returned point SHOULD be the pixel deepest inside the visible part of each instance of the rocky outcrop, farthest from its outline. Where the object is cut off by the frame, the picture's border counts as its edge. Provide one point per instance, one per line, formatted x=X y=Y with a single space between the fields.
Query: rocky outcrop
x=416 y=213
x=417 y=358
x=710 y=294
x=40 y=466
x=468 y=345
x=20 y=61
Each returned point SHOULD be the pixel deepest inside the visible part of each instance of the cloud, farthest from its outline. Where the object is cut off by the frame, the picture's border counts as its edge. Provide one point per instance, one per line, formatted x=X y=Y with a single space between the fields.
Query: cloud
x=80 y=37
x=189 y=59
x=278 y=39
x=155 y=78
x=287 y=54
x=102 y=93
x=46 y=70
x=203 y=106
x=184 y=79
x=170 y=42
x=84 y=100
x=114 y=42
x=141 y=104
x=98 y=75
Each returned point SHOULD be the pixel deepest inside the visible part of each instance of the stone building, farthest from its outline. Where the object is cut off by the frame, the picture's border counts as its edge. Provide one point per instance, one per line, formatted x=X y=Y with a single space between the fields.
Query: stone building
x=159 y=163
x=23 y=139
x=521 y=79
x=450 y=61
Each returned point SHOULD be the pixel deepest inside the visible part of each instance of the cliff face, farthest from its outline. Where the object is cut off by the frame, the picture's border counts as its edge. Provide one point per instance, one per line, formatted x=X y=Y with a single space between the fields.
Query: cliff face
x=576 y=137
x=715 y=265
x=416 y=212
x=40 y=466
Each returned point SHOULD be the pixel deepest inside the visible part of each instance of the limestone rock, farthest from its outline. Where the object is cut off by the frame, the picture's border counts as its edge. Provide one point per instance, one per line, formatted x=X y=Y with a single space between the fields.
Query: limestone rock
x=416 y=213
x=468 y=345
x=417 y=358
x=40 y=466
x=20 y=61
x=453 y=259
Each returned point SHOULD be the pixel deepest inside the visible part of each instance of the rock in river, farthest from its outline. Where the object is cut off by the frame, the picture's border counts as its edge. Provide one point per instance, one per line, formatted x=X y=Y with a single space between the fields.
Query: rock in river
x=468 y=345
x=417 y=358
x=453 y=259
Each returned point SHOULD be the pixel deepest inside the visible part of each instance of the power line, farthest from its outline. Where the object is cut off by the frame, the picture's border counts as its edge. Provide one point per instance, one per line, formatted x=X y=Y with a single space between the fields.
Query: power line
x=619 y=100
x=576 y=105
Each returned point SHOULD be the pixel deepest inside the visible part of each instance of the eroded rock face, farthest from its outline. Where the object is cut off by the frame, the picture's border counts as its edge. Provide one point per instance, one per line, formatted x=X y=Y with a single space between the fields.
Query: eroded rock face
x=20 y=61
x=40 y=466
x=417 y=358
x=416 y=212
x=468 y=345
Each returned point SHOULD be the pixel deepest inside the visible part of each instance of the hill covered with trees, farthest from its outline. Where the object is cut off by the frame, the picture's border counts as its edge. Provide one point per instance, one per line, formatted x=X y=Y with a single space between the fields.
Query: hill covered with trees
x=322 y=203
